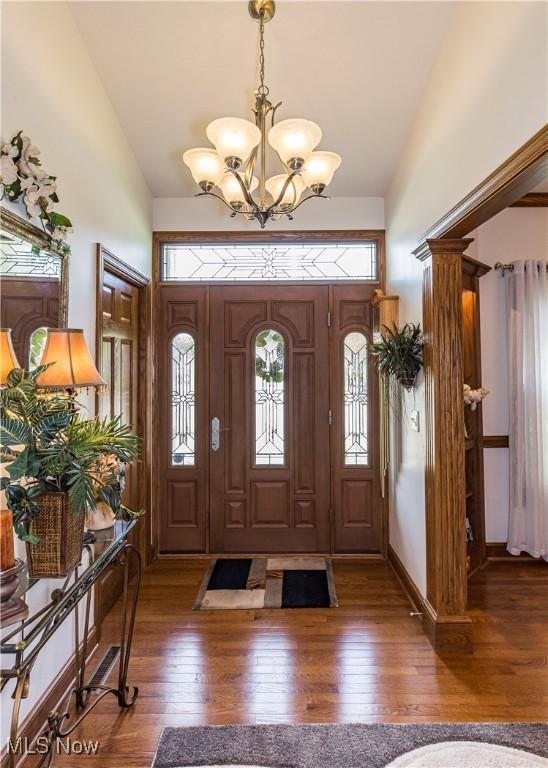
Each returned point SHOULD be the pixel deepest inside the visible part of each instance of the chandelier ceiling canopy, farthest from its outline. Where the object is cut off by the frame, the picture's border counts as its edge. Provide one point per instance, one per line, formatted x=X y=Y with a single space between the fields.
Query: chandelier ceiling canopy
x=235 y=171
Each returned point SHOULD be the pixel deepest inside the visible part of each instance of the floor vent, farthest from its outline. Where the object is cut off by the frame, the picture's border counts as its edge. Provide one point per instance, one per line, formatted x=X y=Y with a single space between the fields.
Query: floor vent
x=105 y=666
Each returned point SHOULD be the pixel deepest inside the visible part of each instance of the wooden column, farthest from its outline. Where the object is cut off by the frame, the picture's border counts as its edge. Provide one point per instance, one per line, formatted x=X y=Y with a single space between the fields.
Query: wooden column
x=445 y=617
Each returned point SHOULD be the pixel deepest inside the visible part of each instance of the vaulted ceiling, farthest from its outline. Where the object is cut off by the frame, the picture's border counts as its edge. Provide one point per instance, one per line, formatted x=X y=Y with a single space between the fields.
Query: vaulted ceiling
x=358 y=69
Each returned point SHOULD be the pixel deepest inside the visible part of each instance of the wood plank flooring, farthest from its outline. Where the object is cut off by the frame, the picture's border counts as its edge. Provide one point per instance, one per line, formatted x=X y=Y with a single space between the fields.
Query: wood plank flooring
x=367 y=661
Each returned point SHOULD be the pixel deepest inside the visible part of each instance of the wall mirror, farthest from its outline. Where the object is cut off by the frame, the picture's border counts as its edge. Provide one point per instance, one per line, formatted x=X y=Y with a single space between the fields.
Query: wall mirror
x=33 y=286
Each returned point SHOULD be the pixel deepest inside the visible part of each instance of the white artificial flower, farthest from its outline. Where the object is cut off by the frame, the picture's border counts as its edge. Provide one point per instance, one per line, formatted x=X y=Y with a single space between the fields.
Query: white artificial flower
x=39 y=173
x=46 y=190
x=25 y=148
x=9 y=149
x=58 y=234
x=26 y=183
x=26 y=169
x=31 y=198
x=8 y=170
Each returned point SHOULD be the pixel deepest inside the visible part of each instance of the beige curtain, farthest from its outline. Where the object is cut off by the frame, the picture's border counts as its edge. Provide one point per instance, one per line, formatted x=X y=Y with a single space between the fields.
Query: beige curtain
x=527 y=292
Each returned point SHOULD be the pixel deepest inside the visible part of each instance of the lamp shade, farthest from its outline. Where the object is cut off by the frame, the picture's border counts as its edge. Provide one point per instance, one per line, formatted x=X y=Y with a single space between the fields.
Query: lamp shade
x=294 y=139
x=319 y=169
x=8 y=360
x=231 y=189
x=205 y=165
x=294 y=190
x=73 y=365
x=233 y=137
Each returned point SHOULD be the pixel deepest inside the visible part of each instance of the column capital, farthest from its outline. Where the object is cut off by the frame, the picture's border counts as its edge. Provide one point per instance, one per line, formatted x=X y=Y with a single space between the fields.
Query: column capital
x=441 y=246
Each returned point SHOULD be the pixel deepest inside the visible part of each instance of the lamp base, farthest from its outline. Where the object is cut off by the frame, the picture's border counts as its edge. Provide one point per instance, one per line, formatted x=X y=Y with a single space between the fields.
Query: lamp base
x=262 y=9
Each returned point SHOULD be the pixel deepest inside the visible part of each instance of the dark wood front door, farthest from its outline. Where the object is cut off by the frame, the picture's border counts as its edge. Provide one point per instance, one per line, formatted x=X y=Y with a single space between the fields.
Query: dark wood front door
x=269 y=488
x=268 y=428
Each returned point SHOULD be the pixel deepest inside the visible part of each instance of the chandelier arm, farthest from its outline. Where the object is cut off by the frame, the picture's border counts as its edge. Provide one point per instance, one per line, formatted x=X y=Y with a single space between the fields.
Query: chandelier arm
x=284 y=189
x=310 y=197
x=247 y=196
x=279 y=104
x=214 y=194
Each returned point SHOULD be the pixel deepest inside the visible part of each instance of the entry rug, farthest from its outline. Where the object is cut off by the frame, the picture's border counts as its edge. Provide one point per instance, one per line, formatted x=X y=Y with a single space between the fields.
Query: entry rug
x=443 y=745
x=267 y=582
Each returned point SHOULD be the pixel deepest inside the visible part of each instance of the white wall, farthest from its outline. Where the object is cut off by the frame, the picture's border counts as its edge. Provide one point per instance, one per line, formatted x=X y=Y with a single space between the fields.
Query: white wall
x=51 y=90
x=487 y=96
x=516 y=233
x=190 y=213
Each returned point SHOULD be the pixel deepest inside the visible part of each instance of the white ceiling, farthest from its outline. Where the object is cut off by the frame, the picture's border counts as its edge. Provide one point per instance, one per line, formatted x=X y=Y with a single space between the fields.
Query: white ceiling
x=356 y=68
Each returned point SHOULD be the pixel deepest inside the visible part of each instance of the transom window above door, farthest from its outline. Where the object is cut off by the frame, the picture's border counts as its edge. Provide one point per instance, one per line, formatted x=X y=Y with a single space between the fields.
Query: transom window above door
x=259 y=261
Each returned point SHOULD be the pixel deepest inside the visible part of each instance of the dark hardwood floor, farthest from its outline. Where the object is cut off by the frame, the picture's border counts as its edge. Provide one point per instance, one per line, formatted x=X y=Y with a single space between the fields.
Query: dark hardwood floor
x=366 y=661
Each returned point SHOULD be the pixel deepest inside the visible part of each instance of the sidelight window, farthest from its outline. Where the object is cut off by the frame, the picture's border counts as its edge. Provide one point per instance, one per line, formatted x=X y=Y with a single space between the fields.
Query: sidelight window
x=183 y=399
x=355 y=399
x=269 y=398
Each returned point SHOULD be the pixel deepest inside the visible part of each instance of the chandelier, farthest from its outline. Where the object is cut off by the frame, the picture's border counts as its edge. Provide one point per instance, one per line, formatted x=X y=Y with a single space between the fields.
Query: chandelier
x=235 y=171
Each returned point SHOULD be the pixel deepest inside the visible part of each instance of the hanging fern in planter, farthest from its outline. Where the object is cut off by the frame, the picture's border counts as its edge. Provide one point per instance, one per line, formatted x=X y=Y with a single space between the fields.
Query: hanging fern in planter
x=399 y=353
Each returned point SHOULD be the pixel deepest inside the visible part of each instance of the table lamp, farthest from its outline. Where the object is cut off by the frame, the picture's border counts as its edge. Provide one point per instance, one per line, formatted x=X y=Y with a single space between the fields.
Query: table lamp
x=73 y=365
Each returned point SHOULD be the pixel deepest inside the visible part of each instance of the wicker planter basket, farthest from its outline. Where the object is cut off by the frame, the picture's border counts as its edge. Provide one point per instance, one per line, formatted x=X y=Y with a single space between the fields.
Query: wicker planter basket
x=61 y=534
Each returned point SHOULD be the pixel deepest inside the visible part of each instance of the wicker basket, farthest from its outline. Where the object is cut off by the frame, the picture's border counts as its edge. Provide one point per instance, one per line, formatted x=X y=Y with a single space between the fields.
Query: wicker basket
x=61 y=534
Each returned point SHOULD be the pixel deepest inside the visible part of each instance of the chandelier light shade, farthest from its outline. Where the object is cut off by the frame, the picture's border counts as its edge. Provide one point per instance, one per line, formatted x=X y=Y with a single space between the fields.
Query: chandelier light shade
x=8 y=359
x=292 y=193
x=319 y=169
x=232 y=189
x=294 y=141
x=73 y=366
x=205 y=166
x=234 y=139
x=235 y=171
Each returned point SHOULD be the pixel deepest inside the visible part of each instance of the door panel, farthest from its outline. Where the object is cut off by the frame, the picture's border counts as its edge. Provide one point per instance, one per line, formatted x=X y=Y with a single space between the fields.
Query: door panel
x=354 y=436
x=274 y=507
x=183 y=425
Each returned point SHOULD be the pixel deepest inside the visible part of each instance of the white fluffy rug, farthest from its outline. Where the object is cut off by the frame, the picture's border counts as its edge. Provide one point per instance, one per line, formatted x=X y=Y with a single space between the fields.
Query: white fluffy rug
x=468 y=754
x=454 y=754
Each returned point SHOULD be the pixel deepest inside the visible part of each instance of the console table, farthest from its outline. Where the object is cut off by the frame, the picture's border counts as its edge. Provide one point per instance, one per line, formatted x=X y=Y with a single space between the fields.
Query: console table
x=21 y=647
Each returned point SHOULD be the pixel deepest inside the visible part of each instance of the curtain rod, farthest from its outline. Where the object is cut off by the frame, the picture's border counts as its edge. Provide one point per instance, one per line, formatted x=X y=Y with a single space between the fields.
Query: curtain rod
x=500 y=267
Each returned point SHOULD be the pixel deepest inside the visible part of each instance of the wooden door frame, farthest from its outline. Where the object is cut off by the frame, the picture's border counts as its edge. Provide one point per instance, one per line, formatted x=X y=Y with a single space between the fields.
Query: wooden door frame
x=441 y=250
x=107 y=261
x=161 y=237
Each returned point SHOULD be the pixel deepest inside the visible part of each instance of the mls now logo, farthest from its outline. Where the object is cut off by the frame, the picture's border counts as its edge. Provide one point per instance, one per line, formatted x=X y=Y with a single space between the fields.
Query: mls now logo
x=68 y=746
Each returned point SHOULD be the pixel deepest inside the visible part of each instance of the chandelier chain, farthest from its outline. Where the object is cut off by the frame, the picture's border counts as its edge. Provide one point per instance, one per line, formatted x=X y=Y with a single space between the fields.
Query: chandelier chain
x=263 y=90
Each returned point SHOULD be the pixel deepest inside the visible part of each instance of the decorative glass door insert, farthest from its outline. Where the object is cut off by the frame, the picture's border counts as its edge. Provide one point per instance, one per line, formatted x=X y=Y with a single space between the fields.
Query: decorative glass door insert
x=269 y=398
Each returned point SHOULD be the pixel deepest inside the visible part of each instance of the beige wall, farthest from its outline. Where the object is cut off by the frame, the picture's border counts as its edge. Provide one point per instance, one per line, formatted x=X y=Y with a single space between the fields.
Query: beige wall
x=188 y=213
x=485 y=98
x=51 y=91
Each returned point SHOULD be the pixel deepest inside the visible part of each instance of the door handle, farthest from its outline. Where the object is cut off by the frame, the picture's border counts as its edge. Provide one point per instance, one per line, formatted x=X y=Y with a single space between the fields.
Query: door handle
x=215 y=433
x=216 y=430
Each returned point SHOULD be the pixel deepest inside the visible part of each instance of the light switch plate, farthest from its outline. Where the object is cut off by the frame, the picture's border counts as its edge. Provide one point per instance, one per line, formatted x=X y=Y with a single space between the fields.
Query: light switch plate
x=415 y=421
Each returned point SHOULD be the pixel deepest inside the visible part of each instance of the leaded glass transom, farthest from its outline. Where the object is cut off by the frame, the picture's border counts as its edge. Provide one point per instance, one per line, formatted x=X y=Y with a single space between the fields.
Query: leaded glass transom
x=355 y=399
x=183 y=399
x=19 y=257
x=295 y=261
x=269 y=398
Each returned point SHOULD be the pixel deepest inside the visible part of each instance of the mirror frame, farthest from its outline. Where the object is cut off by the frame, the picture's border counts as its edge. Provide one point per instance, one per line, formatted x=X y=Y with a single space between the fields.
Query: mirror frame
x=19 y=227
